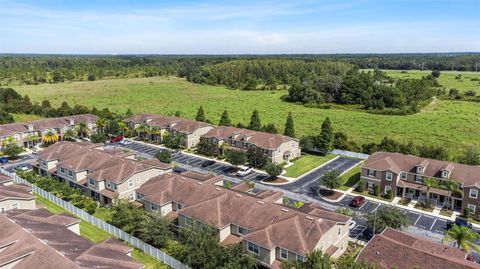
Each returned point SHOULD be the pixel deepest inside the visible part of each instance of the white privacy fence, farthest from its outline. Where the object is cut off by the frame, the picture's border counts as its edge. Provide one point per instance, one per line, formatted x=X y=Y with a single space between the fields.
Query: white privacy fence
x=134 y=241
x=350 y=154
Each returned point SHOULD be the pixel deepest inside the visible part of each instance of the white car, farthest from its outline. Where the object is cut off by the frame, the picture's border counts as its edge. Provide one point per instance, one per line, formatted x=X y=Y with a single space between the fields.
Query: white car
x=125 y=142
x=244 y=170
x=352 y=224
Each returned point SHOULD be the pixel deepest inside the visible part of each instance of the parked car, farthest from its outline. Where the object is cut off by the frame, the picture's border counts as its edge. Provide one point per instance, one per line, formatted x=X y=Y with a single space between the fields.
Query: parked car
x=352 y=224
x=459 y=222
x=244 y=170
x=3 y=160
x=208 y=163
x=357 y=201
x=125 y=142
x=116 y=139
x=22 y=167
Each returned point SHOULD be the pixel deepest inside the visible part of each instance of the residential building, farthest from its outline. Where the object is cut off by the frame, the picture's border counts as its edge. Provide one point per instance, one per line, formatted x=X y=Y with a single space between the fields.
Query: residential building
x=16 y=196
x=452 y=185
x=156 y=126
x=41 y=240
x=277 y=148
x=103 y=173
x=397 y=249
x=256 y=219
x=29 y=134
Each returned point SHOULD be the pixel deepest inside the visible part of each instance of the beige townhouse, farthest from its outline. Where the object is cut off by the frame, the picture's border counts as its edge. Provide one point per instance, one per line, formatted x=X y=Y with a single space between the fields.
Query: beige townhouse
x=452 y=185
x=41 y=240
x=16 y=196
x=103 y=173
x=156 y=126
x=268 y=230
x=396 y=249
x=29 y=134
x=277 y=148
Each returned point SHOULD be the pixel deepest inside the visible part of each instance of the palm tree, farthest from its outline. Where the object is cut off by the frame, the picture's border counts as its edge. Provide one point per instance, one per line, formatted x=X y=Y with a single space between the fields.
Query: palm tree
x=69 y=135
x=122 y=126
x=9 y=140
x=155 y=131
x=50 y=137
x=451 y=187
x=82 y=129
x=429 y=182
x=101 y=123
x=463 y=236
x=142 y=129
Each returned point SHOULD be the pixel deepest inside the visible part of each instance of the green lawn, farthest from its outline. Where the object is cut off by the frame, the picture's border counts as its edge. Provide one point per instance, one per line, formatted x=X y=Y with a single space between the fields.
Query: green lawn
x=103 y=213
x=24 y=117
x=446 y=79
x=147 y=260
x=453 y=124
x=306 y=163
x=350 y=178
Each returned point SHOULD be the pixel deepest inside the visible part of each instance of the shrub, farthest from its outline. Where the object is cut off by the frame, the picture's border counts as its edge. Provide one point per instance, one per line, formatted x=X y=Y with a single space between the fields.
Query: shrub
x=389 y=194
x=467 y=213
x=360 y=186
x=344 y=211
x=12 y=150
x=376 y=190
x=165 y=156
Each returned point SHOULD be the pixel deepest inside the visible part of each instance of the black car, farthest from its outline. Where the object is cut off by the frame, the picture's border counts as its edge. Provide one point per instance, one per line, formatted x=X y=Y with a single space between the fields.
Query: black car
x=208 y=163
x=459 y=222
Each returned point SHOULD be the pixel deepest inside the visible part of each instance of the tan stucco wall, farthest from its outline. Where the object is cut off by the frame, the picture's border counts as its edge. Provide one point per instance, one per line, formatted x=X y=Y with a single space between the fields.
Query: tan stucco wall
x=22 y=204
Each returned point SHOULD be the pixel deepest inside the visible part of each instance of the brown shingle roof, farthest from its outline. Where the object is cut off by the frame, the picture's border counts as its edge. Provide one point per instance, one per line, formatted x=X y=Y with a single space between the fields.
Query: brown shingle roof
x=178 y=124
x=467 y=174
x=259 y=139
x=401 y=250
x=19 y=191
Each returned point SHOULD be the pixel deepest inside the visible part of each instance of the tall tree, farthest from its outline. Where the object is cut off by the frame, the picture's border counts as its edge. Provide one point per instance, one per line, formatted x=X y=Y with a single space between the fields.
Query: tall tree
x=387 y=216
x=471 y=156
x=200 y=114
x=127 y=216
x=464 y=237
x=324 y=141
x=236 y=157
x=255 y=123
x=156 y=230
x=225 y=120
x=289 y=127
x=331 y=180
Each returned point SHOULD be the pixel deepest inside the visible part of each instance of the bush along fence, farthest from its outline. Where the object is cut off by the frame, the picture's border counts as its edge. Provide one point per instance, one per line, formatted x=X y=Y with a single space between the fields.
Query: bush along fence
x=116 y=232
x=350 y=154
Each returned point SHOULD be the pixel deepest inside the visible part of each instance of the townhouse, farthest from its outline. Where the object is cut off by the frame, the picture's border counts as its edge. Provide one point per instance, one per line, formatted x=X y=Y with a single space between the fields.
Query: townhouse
x=16 y=196
x=397 y=249
x=255 y=219
x=41 y=240
x=452 y=185
x=277 y=148
x=103 y=173
x=156 y=126
x=29 y=134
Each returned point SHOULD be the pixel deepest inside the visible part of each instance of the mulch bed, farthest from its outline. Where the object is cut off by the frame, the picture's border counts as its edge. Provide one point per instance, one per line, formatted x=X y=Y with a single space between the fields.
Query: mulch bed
x=276 y=180
x=330 y=195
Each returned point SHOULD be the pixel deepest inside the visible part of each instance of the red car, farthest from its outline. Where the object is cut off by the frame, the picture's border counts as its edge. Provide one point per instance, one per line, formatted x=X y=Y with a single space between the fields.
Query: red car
x=116 y=139
x=357 y=201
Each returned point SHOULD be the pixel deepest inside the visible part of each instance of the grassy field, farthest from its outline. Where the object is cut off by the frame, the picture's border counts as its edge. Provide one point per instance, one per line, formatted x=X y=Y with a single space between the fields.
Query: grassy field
x=350 y=178
x=306 y=163
x=24 y=117
x=446 y=79
x=454 y=124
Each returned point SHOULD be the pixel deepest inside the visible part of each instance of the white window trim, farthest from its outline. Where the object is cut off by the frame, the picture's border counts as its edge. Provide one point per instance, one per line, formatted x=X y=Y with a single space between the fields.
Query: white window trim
x=419 y=169
x=131 y=183
x=389 y=174
x=15 y=206
x=387 y=188
x=403 y=175
x=254 y=247
x=281 y=252
x=474 y=208
x=371 y=173
x=90 y=181
x=444 y=174
x=470 y=193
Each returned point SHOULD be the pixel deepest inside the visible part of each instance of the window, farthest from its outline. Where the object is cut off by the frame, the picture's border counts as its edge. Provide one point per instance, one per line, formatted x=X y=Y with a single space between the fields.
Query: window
x=70 y=173
x=131 y=183
x=62 y=170
x=179 y=206
x=131 y=197
x=14 y=206
x=403 y=175
x=339 y=231
x=283 y=254
x=419 y=169
x=253 y=248
x=139 y=195
x=153 y=207
x=91 y=181
x=109 y=185
x=389 y=176
x=387 y=188
x=418 y=179
x=473 y=193
x=114 y=186
x=472 y=208
x=242 y=230
x=371 y=173
x=44 y=163
x=444 y=174
x=138 y=179
x=300 y=258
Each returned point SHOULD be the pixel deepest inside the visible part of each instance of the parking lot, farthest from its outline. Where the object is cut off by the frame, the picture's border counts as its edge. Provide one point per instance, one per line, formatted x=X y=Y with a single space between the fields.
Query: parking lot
x=193 y=161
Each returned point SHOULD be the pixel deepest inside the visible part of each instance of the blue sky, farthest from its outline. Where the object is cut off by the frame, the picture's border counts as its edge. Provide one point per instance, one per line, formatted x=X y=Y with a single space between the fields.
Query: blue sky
x=231 y=27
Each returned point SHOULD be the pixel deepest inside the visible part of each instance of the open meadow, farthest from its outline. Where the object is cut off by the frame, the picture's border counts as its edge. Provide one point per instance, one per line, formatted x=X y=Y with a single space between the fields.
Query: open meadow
x=454 y=124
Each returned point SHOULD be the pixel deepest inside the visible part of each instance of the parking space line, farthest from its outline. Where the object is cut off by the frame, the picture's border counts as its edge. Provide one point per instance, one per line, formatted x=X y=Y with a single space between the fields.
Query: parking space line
x=419 y=216
x=376 y=208
x=362 y=205
x=431 y=227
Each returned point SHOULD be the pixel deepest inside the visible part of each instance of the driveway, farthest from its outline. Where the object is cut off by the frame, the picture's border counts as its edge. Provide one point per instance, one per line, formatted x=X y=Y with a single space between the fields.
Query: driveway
x=308 y=182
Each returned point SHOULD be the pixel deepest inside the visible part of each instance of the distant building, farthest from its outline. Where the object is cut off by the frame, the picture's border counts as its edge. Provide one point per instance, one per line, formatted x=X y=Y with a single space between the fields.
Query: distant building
x=103 y=174
x=29 y=134
x=38 y=239
x=397 y=249
x=268 y=230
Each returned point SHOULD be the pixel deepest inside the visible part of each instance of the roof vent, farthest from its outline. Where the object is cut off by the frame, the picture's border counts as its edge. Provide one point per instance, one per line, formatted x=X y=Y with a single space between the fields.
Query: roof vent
x=309 y=218
x=218 y=189
x=284 y=210
x=238 y=195
x=260 y=202
x=377 y=252
x=199 y=183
